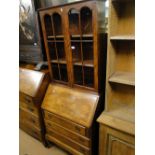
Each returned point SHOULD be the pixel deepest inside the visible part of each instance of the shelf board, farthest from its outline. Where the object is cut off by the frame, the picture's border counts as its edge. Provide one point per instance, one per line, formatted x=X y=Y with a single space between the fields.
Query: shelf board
x=75 y=35
x=123 y=37
x=122 y=1
x=122 y=118
x=50 y=37
x=60 y=61
x=59 y=36
x=56 y=41
x=87 y=41
x=87 y=35
x=126 y=78
x=87 y=63
x=83 y=35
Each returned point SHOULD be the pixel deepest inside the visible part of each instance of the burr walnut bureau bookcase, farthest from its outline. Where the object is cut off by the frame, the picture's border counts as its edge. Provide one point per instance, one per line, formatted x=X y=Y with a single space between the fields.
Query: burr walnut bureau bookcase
x=76 y=58
x=117 y=122
x=32 y=87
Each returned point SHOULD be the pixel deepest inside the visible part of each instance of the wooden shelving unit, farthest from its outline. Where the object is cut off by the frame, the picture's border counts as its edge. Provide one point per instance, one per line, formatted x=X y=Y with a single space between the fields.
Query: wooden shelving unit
x=72 y=37
x=123 y=78
x=117 y=122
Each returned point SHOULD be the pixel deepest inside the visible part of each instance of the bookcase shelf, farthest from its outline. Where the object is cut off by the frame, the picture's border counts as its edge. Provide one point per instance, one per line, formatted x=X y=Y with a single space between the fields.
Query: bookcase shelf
x=72 y=38
x=123 y=37
x=123 y=78
x=60 y=61
x=87 y=63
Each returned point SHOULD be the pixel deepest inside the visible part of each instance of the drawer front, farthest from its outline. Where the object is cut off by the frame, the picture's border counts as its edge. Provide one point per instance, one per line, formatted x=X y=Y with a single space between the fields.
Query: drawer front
x=82 y=149
x=67 y=133
x=31 y=130
x=25 y=116
x=30 y=108
x=65 y=123
x=26 y=99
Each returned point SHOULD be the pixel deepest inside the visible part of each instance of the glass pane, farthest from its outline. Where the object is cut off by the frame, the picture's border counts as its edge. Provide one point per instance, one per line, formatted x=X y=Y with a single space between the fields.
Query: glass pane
x=48 y=25
x=52 y=51
x=60 y=50
x=78 y=75
x=74 y=21
x=55 y=70
x=76 y=51
x=57 y=24
x=89 y=76
x=86 y=20
x=63 y=72
x=87 y=48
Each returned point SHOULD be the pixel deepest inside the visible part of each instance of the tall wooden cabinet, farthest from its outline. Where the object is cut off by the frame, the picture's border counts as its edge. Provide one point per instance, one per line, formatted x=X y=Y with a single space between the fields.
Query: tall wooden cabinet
x=75 y=45
x=117 y=122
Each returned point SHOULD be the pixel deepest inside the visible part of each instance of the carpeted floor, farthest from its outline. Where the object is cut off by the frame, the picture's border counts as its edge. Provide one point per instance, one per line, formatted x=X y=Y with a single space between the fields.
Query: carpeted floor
x=30 y=146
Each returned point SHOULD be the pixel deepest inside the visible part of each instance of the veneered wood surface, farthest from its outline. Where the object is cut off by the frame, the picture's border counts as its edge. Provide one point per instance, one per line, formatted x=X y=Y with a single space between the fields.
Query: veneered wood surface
x=67 y=132
x=65 y=123
x=121 y=119
x=114 y=142
x=30 y=81
x=77 y=106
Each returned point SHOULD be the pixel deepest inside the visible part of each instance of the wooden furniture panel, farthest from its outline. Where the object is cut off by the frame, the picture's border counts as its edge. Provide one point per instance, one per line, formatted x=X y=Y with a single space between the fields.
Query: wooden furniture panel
x=26 y=99
x=80 y=148
x=30 y=108
x=66 y=100
x=117 y=143
x=50 y=125
x=33 y=85
x=63 y=122
x=33 y=131
x=122 y=18
x=27 y=116
x=76 y=106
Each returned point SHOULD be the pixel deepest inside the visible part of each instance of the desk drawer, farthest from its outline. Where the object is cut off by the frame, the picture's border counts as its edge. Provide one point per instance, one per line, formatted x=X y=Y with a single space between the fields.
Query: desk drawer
x=26 y=99
x=24 y=115
x=35 y=132
x=67 y=141
x=30 y=108
x=65 y=123
x=67 y=133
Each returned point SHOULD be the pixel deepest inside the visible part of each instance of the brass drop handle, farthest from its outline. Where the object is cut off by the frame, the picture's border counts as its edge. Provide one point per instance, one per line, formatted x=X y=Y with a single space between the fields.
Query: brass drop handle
x=35 y=133
x=49 y=116
x=31 y=109
x=27 y=99
x=77 y=128
x=82 y=150
x=49 y=124
x=32 y=120
x=82 y=140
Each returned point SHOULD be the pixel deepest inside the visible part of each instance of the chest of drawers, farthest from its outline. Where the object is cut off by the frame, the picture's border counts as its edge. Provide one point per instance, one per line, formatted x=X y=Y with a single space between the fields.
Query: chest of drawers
x=69 y=118
x=33 y=85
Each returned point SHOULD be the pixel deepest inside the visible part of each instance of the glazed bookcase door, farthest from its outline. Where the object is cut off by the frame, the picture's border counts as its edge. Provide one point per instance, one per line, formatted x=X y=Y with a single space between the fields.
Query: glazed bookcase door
x=82 y=46
x=54 y=36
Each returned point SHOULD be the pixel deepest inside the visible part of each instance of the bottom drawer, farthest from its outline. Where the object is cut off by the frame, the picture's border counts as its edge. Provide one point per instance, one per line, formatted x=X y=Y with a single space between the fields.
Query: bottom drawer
x=68 y=142
x=35 y=132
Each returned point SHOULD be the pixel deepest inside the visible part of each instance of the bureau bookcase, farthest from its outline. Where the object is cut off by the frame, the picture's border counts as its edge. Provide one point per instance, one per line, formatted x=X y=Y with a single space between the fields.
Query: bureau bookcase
x=75 y=45
x=117 y=122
